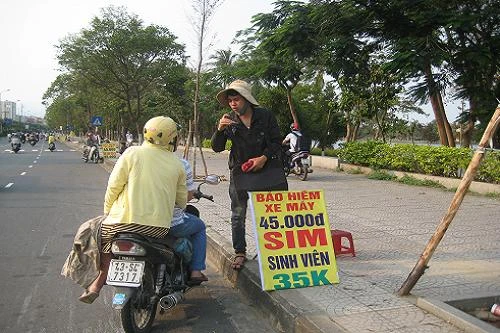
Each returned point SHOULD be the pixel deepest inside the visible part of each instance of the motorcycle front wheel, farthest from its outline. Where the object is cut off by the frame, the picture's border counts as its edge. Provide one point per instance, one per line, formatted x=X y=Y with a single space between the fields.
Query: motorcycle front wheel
x=303 y=173
x=136 y=318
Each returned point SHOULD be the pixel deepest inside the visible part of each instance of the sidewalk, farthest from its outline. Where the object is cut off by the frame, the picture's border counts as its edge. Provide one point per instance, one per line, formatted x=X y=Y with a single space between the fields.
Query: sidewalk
x=391 y=224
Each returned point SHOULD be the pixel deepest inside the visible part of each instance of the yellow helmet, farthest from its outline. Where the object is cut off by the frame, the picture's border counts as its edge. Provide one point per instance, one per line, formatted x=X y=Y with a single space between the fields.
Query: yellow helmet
x=161 y=131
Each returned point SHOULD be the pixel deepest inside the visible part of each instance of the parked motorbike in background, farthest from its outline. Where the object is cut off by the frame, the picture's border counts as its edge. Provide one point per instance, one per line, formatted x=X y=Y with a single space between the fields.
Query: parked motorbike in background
x=297 y=163
x=147 y=272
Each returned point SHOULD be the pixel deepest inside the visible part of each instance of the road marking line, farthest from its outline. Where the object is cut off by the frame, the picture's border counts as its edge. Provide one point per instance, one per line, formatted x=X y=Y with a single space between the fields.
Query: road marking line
x=35 y=161
x=23 y=173
x=30 y=166
x=9 y=185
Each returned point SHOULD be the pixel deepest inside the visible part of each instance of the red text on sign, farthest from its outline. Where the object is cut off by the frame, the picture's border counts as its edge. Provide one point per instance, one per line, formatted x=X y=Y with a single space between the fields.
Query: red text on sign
x=295 y=239
x=261 y=197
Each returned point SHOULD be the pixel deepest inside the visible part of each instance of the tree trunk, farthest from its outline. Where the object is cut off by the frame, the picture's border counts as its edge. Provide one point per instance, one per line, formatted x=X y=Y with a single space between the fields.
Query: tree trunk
x=449 y=130
x=435 y=102
x=291 y=105
x=469 y=126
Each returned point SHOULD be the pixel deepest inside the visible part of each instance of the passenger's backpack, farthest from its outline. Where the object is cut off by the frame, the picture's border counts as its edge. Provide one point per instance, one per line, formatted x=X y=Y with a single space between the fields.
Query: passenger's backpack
x=303 y=142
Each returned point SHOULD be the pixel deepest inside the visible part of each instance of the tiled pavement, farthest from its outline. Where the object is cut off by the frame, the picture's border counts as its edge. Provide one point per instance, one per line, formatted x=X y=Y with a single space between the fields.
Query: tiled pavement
x=391 y=224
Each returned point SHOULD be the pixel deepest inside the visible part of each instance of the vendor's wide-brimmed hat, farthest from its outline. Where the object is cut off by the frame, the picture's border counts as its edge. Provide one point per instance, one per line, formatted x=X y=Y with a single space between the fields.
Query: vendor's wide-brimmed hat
x=242 y=87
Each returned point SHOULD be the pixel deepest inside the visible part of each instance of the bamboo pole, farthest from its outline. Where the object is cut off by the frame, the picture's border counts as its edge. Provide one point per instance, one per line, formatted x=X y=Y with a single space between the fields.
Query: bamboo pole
x=469 y=175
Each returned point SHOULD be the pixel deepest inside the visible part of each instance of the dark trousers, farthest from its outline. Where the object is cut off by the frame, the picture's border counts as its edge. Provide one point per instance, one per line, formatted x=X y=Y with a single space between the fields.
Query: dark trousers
x=239 y=202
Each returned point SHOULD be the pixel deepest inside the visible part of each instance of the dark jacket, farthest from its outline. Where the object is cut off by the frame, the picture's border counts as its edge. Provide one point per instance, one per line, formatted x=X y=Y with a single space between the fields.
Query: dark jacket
x=262 y=138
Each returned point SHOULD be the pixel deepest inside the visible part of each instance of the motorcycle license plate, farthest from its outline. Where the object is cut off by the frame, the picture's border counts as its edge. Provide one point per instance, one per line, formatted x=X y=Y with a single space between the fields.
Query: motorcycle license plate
x=305 y=162
x=125 y=273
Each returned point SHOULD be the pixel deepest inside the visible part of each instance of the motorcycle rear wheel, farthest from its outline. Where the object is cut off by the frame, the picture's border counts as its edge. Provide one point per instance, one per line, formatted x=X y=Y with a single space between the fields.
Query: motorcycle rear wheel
x=140 y=320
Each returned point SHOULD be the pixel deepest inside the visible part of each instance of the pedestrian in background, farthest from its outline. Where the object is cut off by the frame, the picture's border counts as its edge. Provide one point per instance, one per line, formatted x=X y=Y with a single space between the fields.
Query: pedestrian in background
x=255 y=156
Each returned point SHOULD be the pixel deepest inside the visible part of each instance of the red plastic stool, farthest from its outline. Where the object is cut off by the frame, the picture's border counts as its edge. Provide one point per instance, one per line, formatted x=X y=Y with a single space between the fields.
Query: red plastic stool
x=337 y=236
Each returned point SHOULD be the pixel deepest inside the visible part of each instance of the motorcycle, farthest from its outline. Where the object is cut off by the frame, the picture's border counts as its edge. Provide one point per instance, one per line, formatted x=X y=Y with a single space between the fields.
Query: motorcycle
x=93 y=154
x=15 y=144
x=52 y=146
x=297 y=163
x=32 y=142
x=147 y=272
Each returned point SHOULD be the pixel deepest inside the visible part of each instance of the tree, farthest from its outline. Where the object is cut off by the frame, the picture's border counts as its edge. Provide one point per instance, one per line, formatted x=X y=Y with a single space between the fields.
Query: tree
x=222 y=67
x=279 y=44
x=204 y=10
x=123 y=57
x=473 y=40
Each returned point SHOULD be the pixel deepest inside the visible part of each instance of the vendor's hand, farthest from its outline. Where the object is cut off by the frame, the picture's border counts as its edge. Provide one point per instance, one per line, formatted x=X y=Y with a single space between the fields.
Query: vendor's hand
x=224 y=122
x=258 y=163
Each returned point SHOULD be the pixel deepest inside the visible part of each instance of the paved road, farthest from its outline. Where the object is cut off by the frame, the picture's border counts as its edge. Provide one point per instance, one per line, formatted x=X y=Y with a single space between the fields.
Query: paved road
x=44 y=196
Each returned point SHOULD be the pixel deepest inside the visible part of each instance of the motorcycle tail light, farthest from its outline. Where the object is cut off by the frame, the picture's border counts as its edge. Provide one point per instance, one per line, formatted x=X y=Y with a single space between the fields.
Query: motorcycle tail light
x=124 y=247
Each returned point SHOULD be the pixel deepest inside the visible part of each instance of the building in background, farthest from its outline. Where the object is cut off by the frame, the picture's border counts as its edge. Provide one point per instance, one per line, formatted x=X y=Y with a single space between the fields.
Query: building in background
x=8 y=110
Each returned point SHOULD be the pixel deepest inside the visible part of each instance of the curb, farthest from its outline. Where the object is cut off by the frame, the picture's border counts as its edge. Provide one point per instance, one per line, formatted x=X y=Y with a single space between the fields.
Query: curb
x=282 y=315
x=454 y=316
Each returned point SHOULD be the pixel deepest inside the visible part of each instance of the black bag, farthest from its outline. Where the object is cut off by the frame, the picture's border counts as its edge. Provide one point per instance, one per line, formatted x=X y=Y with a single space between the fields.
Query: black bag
x=303 y=142
x=272 y=174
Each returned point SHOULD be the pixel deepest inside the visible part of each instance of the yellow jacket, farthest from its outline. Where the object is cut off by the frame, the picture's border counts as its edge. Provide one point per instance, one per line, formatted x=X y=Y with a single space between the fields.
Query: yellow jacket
x=145 y=184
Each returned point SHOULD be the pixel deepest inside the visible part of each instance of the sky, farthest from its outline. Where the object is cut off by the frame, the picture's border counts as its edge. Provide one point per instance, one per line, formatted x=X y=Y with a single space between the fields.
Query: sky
x=30 y=29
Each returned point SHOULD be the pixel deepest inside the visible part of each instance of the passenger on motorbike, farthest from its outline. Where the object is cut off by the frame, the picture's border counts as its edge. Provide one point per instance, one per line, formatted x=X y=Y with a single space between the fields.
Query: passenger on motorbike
x=146 y=183
x=292 y=138
x=192 y=227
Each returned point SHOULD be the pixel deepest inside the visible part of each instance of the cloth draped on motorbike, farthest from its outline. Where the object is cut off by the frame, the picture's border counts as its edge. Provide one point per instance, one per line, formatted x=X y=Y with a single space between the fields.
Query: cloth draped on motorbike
x=83 y=262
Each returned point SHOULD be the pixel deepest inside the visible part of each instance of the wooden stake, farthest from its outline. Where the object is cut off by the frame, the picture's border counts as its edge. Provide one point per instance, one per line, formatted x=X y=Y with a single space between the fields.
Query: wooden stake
x=469 y=175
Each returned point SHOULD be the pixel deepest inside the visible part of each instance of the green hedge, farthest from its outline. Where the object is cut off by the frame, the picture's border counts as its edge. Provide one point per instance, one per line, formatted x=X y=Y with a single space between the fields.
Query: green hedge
x=438 y=161
x=430 y=160
x=207 y=143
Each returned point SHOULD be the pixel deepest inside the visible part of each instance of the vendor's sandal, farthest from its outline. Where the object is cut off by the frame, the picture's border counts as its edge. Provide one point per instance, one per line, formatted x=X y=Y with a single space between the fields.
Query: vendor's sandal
x=239 y=261
x=88 y=297
x=197 y=280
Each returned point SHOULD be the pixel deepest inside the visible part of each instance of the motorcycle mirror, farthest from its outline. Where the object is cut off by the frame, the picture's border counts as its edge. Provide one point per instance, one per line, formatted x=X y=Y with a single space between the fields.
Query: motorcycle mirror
x=212 y=179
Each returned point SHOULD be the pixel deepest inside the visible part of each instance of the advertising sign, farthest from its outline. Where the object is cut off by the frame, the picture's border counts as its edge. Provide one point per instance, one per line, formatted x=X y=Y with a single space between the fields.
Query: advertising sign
x=108 y=150
x=294 y=243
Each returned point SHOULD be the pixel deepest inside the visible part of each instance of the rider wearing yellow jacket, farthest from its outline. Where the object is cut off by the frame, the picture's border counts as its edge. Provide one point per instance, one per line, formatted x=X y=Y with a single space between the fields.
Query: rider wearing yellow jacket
x=145 y=184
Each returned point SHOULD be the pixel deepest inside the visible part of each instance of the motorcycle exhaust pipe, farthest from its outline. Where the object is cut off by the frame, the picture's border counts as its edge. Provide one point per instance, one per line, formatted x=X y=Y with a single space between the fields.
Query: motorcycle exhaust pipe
x=169 y=301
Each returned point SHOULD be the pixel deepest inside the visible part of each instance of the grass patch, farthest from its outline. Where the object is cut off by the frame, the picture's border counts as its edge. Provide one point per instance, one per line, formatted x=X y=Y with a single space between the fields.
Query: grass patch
x=493 y=195
x=381 y=175
x=409 y=180
x=355 y=171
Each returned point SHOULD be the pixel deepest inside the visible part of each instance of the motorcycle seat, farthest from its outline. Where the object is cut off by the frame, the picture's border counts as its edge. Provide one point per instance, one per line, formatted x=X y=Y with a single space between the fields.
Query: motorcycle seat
x=168 y=241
